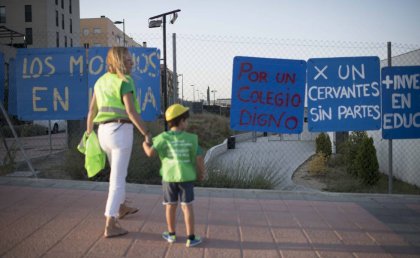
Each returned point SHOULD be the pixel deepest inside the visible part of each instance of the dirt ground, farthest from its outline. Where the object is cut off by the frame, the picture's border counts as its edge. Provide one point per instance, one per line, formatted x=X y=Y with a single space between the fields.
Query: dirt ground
x=302 y=177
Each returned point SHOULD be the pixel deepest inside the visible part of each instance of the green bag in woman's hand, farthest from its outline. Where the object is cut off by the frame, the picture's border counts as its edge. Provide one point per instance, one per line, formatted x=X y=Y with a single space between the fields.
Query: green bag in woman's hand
x=95 y=157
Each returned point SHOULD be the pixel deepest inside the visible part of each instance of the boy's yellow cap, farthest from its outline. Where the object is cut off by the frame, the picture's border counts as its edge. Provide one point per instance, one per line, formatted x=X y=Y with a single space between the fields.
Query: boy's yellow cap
x=174 y=111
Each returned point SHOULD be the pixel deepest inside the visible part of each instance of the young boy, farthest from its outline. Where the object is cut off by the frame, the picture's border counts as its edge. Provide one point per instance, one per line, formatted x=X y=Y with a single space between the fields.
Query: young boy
x=182 y=164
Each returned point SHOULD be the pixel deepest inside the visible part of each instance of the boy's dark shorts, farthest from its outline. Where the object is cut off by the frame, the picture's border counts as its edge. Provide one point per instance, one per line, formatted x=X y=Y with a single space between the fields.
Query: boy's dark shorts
x=174 y=191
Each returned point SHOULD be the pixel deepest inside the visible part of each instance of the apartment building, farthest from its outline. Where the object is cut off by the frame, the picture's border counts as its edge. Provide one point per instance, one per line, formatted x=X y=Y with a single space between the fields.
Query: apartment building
x=103 y=32
x=45 y=23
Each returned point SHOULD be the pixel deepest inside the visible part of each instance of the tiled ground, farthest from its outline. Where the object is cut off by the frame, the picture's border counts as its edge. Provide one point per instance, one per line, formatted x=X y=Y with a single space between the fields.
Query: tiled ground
x=52 y=218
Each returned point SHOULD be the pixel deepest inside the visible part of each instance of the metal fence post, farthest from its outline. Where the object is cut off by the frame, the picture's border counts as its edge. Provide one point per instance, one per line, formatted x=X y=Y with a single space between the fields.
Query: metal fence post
x=390 y=140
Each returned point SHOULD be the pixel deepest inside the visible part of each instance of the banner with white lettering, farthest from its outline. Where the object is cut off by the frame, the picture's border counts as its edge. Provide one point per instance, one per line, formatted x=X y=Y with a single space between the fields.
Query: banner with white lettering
x=344 y=94
x=12 y=96
x=268 y=95
x=401 y=102
x=145 y=73
x=51 y=83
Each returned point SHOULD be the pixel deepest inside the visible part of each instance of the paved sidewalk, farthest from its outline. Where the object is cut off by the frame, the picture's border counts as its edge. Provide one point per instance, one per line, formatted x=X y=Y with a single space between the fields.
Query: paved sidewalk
x=58 y=218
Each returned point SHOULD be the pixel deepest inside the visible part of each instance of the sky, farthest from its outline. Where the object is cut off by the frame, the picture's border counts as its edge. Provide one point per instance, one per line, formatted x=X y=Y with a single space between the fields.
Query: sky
x=336 y=20
x=211 y=33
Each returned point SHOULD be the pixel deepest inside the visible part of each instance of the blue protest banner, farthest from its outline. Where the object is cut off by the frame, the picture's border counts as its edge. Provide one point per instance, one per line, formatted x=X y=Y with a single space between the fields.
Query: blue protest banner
x=1 y=77
x=343 y=94
x=401 y=102
x=12 y=99
x=146 y=76
x=52 y=84
x=145 y=73
x=268 y=95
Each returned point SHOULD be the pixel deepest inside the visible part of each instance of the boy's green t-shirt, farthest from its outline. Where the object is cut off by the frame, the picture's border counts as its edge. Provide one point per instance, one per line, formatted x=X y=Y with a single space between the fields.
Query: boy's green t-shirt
x=178 y=151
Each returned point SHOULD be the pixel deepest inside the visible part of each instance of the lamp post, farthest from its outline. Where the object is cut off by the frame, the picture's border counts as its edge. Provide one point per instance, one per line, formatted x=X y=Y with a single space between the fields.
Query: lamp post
x=123 y=23
x=182 y=88
x=155 y=22
x=192 y=85
x=214 y=97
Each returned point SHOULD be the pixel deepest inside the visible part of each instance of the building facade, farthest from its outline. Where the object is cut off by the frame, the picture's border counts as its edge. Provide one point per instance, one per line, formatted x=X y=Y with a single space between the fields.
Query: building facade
x=45 y=23
x=102 y=32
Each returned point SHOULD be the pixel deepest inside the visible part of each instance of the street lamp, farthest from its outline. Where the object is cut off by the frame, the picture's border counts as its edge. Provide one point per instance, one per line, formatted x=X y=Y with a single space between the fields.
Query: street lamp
x=123 y=23
x=193 y=92
x=214 y=97
x=155 y=22
x=182 y=88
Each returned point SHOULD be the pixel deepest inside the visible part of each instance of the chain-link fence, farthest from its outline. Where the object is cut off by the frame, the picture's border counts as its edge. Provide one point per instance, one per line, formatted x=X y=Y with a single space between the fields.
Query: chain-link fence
x=203 y=81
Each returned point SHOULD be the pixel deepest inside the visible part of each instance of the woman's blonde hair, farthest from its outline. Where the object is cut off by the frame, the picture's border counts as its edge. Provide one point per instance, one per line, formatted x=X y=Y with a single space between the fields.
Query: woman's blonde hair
x=115 y=61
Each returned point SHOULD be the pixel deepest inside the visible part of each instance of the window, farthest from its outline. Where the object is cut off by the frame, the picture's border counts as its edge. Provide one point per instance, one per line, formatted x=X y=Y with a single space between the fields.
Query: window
x=70 y=7
x=96 y=31
x=85 y=32
x=62 y=21
x=56 y=2
x=28 y=13
x=71 y=42
x=65 y=41
x=2 y=14
x=28 y=36
x=86 y=45
x=57 y=39
x=71 y=25
x=62 y=4
x=56 y=18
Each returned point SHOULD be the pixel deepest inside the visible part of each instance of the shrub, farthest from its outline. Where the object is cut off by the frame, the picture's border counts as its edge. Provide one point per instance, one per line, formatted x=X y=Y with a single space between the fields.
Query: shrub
x=240 y=175
x=351 y=149
x=318 y=164
x=366 y=162
x=23 y=130
x=211 y=129
x=323 y=144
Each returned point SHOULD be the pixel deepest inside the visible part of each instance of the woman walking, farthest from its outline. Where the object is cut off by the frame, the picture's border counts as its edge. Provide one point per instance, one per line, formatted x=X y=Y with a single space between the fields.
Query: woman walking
x=115 y=108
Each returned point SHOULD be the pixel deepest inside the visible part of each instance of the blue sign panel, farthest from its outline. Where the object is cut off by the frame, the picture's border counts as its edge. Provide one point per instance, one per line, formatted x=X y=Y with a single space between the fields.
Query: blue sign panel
x=12 y=99
x=145 y=73
x=52 y=84
x=344 y=94
x=268 y=95
x=401 y=102
x=1 y=77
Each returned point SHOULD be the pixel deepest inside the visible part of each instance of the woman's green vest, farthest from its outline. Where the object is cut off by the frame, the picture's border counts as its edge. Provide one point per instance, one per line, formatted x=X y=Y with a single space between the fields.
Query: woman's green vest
x=109 y=100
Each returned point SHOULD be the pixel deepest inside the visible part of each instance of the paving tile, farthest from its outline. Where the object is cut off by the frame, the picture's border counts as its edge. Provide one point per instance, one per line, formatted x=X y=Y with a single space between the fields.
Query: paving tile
x=273 y=205
x=372 y=254
x=335 y=254
x=289 y=235
x=223 y=253
x=320 y=236
x=222 y=204
x=223 y=232
x=148 y=249
x=282 y=219
x=387 y=238
x=298 y=254
x=261 y=253
x=252 y=218
x=256 y=234
x=62 y=218
x=179 y=250
x=223 y=217
x=355 y=238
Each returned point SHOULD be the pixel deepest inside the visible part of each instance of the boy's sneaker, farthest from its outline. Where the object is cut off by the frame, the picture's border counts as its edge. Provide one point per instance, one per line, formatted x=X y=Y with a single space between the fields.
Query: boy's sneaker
x=169 y=238
x=197 y=240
